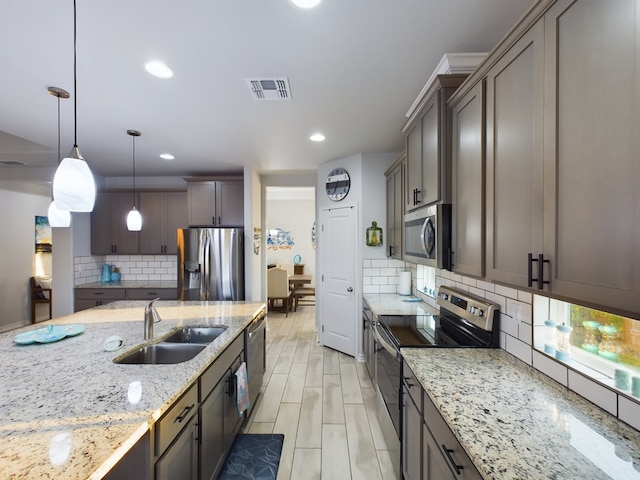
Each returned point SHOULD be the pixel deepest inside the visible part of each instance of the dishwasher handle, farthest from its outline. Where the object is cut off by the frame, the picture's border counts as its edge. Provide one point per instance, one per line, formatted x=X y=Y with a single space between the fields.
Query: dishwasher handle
x=259 y=326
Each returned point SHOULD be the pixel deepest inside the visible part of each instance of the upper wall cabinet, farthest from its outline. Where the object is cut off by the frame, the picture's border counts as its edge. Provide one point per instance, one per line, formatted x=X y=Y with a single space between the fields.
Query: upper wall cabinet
x=562 y=143
x=429 y=146
x=514 y=160
x=591 y=148
x=395 y=204
x=213 y=203
x=467 y=226
x=109 y=234
x=162 y=214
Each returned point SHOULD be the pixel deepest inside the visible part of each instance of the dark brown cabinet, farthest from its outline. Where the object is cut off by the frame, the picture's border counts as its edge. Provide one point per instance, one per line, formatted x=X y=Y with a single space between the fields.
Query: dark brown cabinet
x=177 y=439
x=219 y=419
x=430 y=451
x=467 y=181
x=515 y=207
x=429 y=145
x=411 y=426
x=591 y=145
x=162 y=213
x=109 y=234
x=214 y=203
x=94 y=297
x=395 y=207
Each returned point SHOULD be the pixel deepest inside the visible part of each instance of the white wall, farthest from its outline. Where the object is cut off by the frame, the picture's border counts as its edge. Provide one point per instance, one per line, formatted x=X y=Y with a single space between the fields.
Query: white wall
x=254 y=290
x=292 y=209
x=368 y=194
x=21 y=202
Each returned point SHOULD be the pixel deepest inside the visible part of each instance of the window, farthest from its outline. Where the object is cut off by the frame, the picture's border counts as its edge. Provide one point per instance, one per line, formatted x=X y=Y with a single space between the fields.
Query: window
x=602 y=345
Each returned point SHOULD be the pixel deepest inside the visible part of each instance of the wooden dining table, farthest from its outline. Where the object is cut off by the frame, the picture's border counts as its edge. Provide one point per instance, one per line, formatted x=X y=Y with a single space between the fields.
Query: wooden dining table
x=296 y=281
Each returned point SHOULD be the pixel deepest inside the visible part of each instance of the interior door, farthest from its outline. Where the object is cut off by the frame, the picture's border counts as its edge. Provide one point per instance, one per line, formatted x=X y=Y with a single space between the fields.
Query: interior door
x=338 y=313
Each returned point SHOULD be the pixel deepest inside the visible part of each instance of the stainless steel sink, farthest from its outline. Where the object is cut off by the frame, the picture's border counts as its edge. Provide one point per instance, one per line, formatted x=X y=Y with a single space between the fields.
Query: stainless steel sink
x=163 y=353
x=195 y=335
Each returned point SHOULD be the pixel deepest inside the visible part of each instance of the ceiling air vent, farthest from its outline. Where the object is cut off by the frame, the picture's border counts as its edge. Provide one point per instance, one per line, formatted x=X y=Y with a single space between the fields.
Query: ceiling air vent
x=12 y=163
x=269 y=88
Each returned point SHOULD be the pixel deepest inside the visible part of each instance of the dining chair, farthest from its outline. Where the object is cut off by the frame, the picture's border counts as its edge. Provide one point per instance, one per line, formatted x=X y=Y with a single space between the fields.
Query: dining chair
x=40 y=294
x=278 y=289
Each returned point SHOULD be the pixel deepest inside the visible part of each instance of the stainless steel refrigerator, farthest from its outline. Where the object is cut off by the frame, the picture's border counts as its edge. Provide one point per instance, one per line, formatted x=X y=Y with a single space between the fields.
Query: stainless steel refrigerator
x=211 y=263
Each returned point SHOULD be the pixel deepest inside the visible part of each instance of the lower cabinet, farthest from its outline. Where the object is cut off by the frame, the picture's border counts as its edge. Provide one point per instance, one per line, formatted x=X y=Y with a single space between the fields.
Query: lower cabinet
x=441 y=438
x=94 y=297
x=176 y=439
x=430 y=451
x=181 y=459
x=192 y=439
x=411 y=440
x=151 y=293
x=219 y=419
x=434 y=465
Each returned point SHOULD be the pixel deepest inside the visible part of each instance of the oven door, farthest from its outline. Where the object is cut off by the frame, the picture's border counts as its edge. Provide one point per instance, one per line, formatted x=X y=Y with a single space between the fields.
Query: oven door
x=388 y=365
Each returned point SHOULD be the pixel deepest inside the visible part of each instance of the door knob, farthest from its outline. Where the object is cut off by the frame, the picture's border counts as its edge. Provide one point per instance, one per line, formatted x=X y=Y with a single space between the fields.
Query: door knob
x=350 y=289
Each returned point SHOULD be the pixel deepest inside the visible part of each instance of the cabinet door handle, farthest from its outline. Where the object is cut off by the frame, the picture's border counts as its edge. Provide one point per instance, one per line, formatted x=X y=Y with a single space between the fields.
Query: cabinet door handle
x=219 y=220
x=213 y=220
x=448 y=453
x=530 y=278
x=407 y=382
x=180 y=418
x=541 y=281
x=230 y=386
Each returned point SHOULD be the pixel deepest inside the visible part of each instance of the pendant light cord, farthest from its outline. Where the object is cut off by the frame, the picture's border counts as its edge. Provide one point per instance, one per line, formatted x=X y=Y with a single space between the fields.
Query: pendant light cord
x=133 y=138
x=59 y=159
x=75 y=75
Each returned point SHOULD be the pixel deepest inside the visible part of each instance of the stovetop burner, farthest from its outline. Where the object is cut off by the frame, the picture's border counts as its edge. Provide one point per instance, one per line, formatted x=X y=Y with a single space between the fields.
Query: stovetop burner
x=464 y=321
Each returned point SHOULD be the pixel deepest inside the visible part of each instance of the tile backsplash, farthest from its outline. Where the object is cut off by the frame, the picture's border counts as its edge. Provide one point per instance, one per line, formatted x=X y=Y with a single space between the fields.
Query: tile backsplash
x=132 y=267
x=516 y=326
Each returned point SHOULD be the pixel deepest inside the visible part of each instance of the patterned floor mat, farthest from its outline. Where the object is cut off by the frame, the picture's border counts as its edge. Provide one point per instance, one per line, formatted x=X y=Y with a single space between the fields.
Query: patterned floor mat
x=253 y=457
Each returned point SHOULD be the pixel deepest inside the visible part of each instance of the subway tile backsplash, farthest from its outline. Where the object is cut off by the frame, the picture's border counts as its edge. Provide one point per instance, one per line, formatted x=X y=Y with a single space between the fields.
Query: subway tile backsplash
x=517 y=324
x=132 y=267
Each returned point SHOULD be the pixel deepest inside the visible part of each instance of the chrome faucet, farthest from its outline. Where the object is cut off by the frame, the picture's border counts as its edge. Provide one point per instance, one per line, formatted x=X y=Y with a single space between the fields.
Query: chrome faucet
x=151 y=316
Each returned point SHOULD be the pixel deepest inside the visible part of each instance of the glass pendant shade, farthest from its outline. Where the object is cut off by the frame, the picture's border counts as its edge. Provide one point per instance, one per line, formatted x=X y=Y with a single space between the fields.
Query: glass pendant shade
x=73 y=186
x=57 y=217
x=134 y=220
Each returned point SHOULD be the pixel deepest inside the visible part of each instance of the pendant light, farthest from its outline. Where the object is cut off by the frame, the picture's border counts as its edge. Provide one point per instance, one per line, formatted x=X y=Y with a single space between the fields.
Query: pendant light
x=134 y=219
x=73 y=186
x=57 y=217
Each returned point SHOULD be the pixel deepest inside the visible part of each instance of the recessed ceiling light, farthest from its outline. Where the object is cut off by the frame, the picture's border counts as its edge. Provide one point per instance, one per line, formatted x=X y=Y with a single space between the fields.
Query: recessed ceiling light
x=317 y=137
x=305 y=3
x=158 y=69
x=167 y=156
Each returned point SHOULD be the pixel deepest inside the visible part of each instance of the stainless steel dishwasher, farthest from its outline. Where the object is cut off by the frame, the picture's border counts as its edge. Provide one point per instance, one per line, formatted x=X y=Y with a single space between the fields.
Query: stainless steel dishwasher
x=255 y=339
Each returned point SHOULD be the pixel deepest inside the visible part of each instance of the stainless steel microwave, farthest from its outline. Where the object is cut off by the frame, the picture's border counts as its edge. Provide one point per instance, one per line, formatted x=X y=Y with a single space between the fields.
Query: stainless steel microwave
x=427 y=236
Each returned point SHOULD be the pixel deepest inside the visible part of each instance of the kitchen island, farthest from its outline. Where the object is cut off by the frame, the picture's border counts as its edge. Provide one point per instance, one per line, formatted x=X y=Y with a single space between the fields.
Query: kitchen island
x=516 y=423
x=70 y=412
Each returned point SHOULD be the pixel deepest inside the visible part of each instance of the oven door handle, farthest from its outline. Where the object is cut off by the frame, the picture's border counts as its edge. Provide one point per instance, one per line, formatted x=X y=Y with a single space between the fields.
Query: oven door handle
x=386 y=345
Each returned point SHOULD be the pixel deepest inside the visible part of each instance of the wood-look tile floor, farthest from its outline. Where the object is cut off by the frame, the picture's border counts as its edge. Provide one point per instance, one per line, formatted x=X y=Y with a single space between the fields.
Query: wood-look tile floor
x=323 y=402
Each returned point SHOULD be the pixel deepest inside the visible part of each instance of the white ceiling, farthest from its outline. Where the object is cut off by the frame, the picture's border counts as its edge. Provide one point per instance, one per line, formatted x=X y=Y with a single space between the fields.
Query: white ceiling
x=354 y=68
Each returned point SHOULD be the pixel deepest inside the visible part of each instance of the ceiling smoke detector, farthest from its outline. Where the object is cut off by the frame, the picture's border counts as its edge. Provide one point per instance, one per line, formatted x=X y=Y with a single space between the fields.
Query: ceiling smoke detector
x=269 y=88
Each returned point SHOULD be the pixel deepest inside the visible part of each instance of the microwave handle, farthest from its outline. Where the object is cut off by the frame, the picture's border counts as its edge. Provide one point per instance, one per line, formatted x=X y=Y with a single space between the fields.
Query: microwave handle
x=423 y=231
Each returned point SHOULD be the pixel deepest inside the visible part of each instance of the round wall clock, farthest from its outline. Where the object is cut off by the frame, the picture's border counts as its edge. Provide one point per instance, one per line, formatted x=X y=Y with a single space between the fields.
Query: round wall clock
x=338 y=184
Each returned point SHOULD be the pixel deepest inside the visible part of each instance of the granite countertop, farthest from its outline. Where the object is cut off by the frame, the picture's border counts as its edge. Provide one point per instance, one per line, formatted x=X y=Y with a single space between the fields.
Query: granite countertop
x=69 y=396
x=516 y=423
x=394 y=304
x=132 y=284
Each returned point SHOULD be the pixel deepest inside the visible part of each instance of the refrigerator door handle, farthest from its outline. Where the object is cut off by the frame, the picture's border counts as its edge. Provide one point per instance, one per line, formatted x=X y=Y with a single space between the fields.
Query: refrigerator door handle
x=204 y=275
